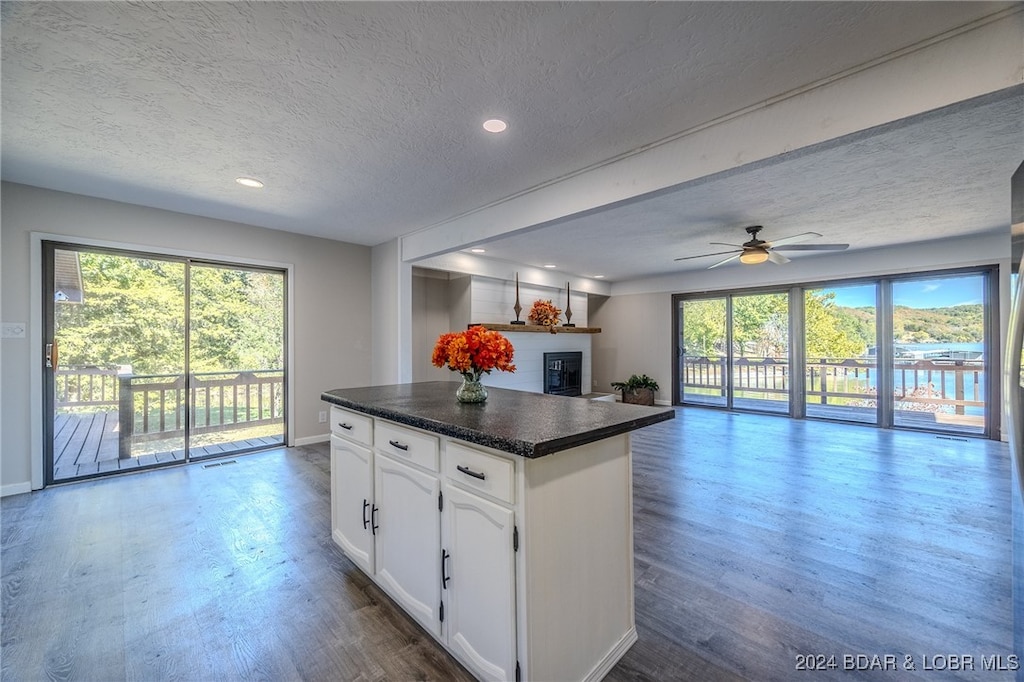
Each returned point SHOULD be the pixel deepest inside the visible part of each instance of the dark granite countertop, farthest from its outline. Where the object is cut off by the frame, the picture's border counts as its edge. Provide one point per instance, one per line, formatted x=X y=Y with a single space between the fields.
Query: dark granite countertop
x=527 y=424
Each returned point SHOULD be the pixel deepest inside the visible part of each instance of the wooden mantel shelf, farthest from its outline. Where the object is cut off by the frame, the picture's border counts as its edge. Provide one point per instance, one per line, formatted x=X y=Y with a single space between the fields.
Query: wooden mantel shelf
x=538 y=329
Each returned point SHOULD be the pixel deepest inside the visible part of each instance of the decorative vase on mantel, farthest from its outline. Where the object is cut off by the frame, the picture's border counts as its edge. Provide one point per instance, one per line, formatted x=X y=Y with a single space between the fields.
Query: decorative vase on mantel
x=471 y=390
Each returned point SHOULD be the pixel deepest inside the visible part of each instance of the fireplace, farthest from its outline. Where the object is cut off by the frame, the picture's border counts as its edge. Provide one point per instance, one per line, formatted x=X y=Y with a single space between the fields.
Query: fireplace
x=563 y=373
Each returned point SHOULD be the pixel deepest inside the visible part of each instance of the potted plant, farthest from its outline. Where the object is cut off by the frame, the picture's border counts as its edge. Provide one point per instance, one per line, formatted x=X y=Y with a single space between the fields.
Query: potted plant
x=637 y=390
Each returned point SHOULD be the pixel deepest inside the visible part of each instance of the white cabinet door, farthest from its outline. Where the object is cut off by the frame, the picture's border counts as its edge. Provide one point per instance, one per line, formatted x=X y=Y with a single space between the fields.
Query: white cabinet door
x=352 y=501
x=480 y=596
x=409 y=539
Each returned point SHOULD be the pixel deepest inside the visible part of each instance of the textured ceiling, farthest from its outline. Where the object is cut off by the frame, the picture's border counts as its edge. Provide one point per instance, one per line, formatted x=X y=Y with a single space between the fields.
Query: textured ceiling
x=939 y=175
x=364 y=119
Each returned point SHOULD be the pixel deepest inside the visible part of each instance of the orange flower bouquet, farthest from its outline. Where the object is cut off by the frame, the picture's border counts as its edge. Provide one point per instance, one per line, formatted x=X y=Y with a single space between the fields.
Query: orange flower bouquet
x=473 y=353
x=544 y=313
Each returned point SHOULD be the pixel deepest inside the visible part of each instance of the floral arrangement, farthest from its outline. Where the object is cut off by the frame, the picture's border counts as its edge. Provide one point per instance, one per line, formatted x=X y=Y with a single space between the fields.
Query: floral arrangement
x=544 y=313
x=473 y=352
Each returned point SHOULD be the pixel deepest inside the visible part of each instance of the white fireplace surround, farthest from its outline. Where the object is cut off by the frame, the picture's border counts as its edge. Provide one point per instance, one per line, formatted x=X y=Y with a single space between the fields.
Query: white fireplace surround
x=442 y=305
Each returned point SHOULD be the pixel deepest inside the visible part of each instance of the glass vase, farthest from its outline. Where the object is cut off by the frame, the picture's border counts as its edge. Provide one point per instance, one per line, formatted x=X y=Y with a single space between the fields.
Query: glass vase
x=471 y=390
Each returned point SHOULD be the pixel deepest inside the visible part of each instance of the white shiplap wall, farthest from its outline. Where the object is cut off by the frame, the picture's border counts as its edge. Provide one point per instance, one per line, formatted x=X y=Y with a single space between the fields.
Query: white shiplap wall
x=529 y=359
x=492 y=301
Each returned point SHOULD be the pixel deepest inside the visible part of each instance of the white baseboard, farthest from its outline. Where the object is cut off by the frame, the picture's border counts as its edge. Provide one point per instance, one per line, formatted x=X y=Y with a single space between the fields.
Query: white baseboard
x=312 y=440
x=16 y=488
x=605 y=665
x=666 y=403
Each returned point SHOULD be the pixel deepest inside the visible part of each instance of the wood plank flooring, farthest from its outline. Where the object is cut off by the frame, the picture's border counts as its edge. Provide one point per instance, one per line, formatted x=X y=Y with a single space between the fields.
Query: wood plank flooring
x=757 y=539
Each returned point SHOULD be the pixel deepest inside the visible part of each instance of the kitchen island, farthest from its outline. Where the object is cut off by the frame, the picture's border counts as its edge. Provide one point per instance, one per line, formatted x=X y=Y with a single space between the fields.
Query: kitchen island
x=504 y=528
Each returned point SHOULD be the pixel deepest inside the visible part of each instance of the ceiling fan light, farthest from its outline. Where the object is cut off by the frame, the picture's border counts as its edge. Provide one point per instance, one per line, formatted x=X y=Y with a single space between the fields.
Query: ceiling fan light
x=753 y=256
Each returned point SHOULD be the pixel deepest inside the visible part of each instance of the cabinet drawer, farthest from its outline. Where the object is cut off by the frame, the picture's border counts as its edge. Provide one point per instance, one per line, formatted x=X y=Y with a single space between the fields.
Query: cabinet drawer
x=476 y=470
x=352 y=425
x=405 y=444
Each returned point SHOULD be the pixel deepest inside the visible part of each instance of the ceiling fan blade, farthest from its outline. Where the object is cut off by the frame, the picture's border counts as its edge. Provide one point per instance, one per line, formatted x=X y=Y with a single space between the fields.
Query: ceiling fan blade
x=716 y=253
x=723 y=262
x=813 y=247
x=793 y=239
x=777 y=258
x=738 y=246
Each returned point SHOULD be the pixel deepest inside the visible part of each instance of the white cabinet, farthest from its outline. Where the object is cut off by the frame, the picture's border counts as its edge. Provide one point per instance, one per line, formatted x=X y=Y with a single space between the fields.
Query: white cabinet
x=352 y=508
x=409 y=539
x=479 y=579
x=520 y=567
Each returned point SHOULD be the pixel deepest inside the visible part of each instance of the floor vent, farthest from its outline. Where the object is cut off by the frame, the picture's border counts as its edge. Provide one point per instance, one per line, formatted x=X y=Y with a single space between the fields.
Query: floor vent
x=962 y=440
x=219 y=464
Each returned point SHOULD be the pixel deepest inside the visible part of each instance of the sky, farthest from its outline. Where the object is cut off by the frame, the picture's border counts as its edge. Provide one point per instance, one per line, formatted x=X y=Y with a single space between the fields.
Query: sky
x=939 y=292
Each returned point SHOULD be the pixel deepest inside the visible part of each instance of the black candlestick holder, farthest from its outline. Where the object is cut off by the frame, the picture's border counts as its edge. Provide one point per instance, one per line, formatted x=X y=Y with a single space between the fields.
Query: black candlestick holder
x=518 y=308
x=568 y=307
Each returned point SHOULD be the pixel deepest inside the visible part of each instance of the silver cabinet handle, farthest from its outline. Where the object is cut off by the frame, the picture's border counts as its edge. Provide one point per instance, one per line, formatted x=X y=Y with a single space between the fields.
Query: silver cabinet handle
x=470 y=472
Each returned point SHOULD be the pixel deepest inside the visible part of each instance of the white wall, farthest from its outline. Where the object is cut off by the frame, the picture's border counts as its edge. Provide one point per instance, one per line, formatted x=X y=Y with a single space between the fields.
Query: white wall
x=492 y=301
x=392 y=315
x=331 y=296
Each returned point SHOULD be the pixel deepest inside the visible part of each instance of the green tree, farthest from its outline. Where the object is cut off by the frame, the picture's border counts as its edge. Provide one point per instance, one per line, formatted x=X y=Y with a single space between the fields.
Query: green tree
x=133 y=313
x=831 y=331
x=704 y=327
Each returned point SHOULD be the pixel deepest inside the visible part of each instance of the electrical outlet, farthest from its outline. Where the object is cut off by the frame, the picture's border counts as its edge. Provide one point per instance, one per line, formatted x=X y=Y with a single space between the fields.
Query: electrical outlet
x=14 y=330
x=323 y=417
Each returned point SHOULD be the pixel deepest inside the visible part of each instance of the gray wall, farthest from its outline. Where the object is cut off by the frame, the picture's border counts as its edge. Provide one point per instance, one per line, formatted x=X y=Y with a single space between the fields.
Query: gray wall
x=331 y=298
x=430 y=319
x=635 y=338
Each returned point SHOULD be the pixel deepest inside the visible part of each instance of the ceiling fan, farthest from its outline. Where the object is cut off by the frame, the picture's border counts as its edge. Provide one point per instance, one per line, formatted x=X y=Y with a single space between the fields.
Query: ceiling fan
x=758 y=251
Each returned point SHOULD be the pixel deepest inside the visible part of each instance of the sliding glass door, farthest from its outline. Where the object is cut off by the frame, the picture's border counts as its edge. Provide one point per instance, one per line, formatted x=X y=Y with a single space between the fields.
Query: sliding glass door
x=734 y=351
x=114 y=320
x=939 y=353
x=911 y=351
x=236 y=358
x=703 y=351
x=760 y=352
x=841 y=359
x=152 y=360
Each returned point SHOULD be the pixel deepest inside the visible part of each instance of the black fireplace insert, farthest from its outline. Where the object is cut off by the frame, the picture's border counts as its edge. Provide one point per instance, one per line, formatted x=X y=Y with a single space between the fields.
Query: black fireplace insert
x=563 y=373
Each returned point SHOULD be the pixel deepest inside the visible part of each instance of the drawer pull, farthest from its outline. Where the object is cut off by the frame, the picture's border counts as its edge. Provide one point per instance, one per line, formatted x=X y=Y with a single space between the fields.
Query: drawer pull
x=398 y=444
x=366 y=521
x=470 y=472
x=444 y=569
x=347 y=427
x=373 y=519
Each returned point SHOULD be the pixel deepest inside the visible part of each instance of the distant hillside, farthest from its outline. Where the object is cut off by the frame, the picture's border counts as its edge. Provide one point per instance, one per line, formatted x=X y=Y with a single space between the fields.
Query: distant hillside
x=957 y=324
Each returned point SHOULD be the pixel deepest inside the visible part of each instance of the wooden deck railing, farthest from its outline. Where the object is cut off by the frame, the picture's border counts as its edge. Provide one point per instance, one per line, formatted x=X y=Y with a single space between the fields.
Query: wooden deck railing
x=956 y=383
x=152 y=407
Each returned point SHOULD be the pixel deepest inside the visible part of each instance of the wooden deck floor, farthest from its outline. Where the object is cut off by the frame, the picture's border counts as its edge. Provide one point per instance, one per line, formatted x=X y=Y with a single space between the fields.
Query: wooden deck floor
x=87 y=444
x=973 y=425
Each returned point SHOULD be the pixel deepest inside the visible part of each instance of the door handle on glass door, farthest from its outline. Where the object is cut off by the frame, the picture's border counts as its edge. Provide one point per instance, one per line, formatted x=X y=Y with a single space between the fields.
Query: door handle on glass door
x=51 y=355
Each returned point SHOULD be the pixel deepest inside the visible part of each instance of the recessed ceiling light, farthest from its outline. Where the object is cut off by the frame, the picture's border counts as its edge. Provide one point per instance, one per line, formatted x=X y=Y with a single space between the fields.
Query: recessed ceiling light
x=495 y=125
x=478 y=250
x=249 y=182
x=550 y=265
x=598 y=276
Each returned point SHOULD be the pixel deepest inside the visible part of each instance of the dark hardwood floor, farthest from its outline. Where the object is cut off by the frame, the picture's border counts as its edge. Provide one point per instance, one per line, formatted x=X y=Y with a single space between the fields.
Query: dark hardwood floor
x=758 y=539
